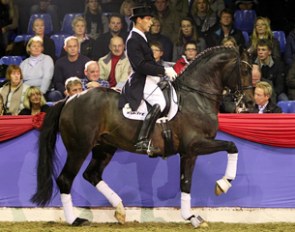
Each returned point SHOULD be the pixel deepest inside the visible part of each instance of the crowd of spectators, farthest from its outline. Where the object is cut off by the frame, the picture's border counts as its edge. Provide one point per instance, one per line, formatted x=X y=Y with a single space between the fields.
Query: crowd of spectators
x=181 y=29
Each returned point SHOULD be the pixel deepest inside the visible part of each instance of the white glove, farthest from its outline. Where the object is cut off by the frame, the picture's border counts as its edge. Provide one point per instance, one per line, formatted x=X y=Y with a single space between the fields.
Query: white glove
x=170 y=72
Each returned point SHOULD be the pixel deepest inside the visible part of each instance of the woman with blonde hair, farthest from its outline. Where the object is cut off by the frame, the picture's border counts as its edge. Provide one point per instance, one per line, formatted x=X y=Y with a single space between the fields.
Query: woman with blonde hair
x=79 y=26
x=38 y=68
x=262 y=30
x=13 y=90
x=34 y=102
x=126 y=12
x=187 y=32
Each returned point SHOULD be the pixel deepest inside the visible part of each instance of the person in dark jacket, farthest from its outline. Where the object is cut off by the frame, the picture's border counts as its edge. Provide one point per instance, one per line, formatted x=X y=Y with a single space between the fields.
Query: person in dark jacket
x=224 y=29
x=262 y=96
x=139 y=85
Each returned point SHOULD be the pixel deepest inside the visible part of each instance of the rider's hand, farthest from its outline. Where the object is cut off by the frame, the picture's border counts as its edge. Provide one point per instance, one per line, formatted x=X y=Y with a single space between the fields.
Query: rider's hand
x=170 y=72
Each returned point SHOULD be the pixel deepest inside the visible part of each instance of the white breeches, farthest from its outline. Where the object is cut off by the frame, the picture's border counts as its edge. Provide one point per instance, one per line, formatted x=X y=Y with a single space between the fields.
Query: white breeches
x=152 y=93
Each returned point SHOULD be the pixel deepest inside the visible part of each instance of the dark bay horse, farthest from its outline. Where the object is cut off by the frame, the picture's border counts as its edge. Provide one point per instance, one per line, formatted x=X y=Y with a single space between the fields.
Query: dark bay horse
x=92 y=121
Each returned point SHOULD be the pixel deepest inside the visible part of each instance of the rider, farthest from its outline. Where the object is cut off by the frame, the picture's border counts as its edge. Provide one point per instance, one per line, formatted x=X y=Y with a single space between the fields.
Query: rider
x=140 y=86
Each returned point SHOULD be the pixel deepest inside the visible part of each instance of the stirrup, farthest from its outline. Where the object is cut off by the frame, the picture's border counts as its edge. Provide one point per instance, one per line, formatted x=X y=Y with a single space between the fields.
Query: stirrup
x=145 y=146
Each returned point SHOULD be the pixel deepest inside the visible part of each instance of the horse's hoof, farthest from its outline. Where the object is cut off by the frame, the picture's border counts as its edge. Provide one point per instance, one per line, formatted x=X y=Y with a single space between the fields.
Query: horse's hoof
x=80 y=222
x=120 y=214
x=198 y=222
x=222 y=186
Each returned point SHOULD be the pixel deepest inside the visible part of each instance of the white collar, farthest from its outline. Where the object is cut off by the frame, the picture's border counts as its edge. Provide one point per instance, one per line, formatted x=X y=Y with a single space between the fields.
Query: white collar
x=140 y=33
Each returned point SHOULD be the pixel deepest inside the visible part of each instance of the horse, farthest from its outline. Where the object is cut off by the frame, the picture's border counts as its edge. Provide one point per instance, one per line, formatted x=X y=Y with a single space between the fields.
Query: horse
x=93 y=122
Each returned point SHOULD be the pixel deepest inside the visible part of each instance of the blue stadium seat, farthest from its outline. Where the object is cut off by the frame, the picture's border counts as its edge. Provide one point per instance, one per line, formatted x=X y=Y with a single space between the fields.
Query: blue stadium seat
x=281 y=37
x=246 y=37
x=59 y=42
x=244 y=20
x=7 y=60
x=285 y=106
x=47 y=21
x=66 y=27
x=292 y=107
x=21 y=38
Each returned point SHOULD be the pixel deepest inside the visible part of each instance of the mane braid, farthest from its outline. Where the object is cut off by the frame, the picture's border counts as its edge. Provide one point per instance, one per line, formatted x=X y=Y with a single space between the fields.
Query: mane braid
x=207 y=52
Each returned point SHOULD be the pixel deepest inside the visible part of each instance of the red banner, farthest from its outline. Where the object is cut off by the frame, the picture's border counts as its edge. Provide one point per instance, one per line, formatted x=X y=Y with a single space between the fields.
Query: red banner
x=269 y=129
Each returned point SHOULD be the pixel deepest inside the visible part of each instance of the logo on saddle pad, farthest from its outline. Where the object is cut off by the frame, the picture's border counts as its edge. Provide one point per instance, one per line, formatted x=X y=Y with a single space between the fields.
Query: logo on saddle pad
x=142 y=110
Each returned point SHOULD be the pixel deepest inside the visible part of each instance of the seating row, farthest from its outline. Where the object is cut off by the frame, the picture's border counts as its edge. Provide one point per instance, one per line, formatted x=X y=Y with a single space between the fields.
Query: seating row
x=287 y=106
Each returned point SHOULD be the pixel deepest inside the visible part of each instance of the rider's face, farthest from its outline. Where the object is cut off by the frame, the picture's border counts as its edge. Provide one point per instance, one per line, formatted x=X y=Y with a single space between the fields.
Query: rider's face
x=145 y=23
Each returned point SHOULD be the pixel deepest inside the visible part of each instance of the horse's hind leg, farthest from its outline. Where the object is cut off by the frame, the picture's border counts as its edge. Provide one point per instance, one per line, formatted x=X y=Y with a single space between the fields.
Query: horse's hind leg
x=65 y=180
x=101 y=156
x=187 y=164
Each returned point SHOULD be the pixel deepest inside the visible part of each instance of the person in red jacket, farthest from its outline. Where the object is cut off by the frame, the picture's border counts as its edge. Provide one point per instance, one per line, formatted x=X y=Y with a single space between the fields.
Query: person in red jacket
x=190 y=52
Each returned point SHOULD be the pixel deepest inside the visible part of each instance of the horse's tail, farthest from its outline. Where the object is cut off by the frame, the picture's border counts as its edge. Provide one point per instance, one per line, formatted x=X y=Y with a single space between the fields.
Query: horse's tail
x=45 y=168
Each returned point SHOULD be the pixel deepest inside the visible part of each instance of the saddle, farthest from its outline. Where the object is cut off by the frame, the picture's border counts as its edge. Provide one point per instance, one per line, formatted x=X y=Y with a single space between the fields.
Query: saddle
x=167 y=114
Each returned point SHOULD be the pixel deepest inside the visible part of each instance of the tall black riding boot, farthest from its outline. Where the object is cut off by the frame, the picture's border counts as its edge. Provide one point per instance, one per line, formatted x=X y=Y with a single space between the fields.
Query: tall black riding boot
x=147 y=127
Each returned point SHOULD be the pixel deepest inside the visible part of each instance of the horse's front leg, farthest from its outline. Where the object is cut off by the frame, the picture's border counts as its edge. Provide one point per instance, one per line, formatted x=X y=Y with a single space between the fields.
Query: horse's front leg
x=210 y=146
x=101 y=156
x=187 y=164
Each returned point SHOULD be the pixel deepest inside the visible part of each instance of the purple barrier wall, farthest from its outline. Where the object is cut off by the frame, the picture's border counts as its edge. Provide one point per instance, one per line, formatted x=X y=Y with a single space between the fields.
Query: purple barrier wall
x=265 y=177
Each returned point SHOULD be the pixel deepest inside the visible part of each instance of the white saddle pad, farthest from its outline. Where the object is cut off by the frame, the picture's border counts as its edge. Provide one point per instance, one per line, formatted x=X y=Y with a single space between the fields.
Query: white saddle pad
x=142 y=110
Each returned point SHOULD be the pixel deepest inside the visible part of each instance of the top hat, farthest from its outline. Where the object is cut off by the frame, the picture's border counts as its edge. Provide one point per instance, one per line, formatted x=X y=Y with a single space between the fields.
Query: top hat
x=141 y=12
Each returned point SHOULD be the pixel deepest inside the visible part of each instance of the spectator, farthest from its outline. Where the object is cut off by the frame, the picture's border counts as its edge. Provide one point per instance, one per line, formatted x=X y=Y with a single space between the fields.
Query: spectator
x=262 y=97
x=67 y=66
x=223 y=29
x=155 y=35
x=290 y=48
x=272 y=70
x=9 y=16
x=86 y=44
x=158 y=54
x=187 y=32
x=38 y=68
x=246 y=4
x=126 y=11
x=229 y=42
x=93 y=79
x=203 y=16
x=291 y=82
x=216 y=5
x=45 y=6
x=95 y=20
x=262 y=30
x=14 y=90
x=115 y=29
x=2 y=106
x=48 y=44
x=115 y=66
x=256 y=74
x=73 y=86
x=180 y=7
x=34 y=102
x=168 y=18
x=189 y=54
